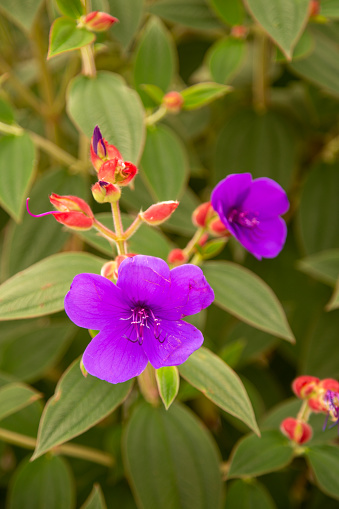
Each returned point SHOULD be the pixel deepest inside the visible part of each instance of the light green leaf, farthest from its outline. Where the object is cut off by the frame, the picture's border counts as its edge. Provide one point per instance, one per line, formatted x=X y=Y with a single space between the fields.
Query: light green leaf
x=323 y=266
x=191 y=13
x=129 y=15
x=329 y=8
x=168 y=382
x=47 y=482
x=225 y=58
x=17 y=166
x=283 y=20
x=164 y=163
x=248 y=297
x=6 y=112
x=106 y=101
x=324 y=461
x=154 y=92
x=65 y=36
x=77 y=405
x=95 y=500
x=254 y=456
x=155 y=59
x=249 y=494
x=212 y=248
x=72 y=8
x=201 y=94
x=41 y=289
x=232 y=12
x=21 y=13
x=175 y=446
x=15 y=396
x=219 y=383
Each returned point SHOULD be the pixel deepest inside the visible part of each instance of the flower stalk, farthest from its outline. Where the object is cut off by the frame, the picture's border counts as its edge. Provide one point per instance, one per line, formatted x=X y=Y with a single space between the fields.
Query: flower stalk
x=118 y=228
x=156 y=116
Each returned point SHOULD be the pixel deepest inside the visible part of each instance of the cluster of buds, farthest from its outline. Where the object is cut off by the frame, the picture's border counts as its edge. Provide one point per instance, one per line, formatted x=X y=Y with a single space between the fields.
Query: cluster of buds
x=204 y=216
x=97 y=21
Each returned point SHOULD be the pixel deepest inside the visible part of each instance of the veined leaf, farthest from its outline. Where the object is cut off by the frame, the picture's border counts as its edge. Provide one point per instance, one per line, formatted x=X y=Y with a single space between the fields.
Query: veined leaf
x=66 y=36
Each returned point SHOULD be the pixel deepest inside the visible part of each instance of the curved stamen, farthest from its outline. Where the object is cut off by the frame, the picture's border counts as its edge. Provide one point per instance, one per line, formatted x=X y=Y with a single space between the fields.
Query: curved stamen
x=44 y=213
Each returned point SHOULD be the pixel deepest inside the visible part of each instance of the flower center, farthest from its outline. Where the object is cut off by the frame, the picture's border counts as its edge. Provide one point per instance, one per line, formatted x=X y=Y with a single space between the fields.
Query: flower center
x=142 y=317
x=246 y=219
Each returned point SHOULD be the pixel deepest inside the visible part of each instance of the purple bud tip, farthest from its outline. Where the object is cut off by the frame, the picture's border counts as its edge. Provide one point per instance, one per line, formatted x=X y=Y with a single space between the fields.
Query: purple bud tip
x=40 y=215
x=102 y=183
x=97 y=136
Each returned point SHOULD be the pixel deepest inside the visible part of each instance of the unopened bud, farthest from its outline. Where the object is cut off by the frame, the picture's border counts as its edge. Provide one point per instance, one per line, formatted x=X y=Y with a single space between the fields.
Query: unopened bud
x=173 y=101
x=98 y=21
x=239 y=31
x=125 y=173
x=177 y=257
x=203 y=239
x=159 y=212
x=108 y=270
x=119 y=259
x=102 y=151
x=104 y=192
x=218 y=228
x=303 y=386
x=314 y=8
x=298 y=431
x=72 y=212
x=201 y=214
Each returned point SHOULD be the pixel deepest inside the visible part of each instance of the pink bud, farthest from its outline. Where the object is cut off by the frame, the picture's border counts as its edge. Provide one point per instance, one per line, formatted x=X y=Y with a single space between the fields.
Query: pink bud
x=98 y=21
x=314 y=8
x=173 y=101
x=177 y=257
x=104 y=192
x=158 y=213
x=108 y=270
x=201 y=214
x=125 y=173
x=72 y=212
x=304 y=385
x=298 y=431
x=216 y=227
x=239 y=31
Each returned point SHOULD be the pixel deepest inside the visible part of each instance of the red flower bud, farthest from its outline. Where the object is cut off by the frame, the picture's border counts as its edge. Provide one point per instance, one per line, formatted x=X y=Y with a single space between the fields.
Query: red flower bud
x=159 y=212
x=173 y=101
x=201 y=214
x=298 y=431
x=102 y=151
x=204 y=239
x=314 y=8
x=239 y=31
x=177 y=257
x=108 y=270
x=98 y=21
x=329 y=384
x=216 y=227
x=104 y=192
x=72 y=212
x=125 y=173
x=317 y=404
x=303 y=386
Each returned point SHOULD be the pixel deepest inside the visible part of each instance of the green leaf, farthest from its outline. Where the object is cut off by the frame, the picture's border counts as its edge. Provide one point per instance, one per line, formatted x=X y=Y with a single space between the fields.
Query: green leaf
x=264 y=145
x=95 y=500
x=219 y=383
x=334 y=302
x=168 y=384
x=47 y=482
x=72 y=8
x=212 y=248
x=164 y=163
x=329 y=8
x=322 y=65
x=201 y=94
x=225 y=58
x=15 y=396
x=249 y=494
x=248 y=297
x=108 y=102
x=323 y=266
x=283 y=20
x=21 y=13
x=25 y=421
x=232 y=12
x=17 y=166
x=41 y=289
x=77 y=405
x=191 y=13
x=303 y=48
x=181 y=221
x=155 y=59
x=147 y=240
x=129 y=15
x=6 y=112
x=254 y=456
x=175 y=446
x=324 y=461
x=66 y=36
x=154 y=92
x=312 y=219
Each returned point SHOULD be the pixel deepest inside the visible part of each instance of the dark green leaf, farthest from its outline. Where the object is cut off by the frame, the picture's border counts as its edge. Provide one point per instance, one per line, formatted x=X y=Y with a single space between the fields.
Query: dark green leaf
x=232 y=12
x=304 y=47
x=192 y=13
x=95 y=500
x=225 y=58
x=334 y=302
x=201 y=94
x=248 y=494
x=72 y=8
x=15 y=396
x=168 y=384
x=66 y=36
x=324 y=461
x=323 y=266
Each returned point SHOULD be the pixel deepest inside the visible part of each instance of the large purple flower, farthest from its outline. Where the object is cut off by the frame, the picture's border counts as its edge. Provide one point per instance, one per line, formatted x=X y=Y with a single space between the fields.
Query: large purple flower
x=250 y=210
x=139 y=318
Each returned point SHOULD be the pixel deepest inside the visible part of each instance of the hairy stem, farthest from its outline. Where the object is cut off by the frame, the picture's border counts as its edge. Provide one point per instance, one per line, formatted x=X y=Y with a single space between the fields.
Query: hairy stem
x=156 y=116
x=88 y=62
x=106 y=232
x=133 y=227
x=194 y=240
x=118 y=228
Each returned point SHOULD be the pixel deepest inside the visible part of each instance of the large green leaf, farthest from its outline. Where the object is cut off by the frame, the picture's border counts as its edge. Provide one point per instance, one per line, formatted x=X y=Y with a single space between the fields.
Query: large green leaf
x=164 y=163
x=254 y=456
x=106 y=101
x=17 y=165
x=129 y=15
x=21 y=13
x=66 y=36
x=15 y=396
x=77 y=405
x=324 y=461
x=171 y=460
x=248 y=494
x=283 y=20
x=218 y=382
x=155 y=59
x=248 y=297
x=264 y=145
x=225 y=58
x=191 y=13
x=95 y=500
x=47 y=482
x=41 y=289
x=323 y=266
x=315 y=236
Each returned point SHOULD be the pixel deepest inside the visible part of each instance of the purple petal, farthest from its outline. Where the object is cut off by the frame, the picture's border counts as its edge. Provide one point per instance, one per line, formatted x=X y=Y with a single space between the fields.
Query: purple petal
x=97 y=136
x=266 y=198
x=180 y=340
x=93 y=301
x=112 y=357
x=230 y=193
x=189 y=293
x=144 y=279
x=265 y=240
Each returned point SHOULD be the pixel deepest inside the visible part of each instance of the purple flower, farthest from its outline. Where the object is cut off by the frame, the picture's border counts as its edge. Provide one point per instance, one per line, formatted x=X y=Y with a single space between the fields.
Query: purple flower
x=139 y=318
x=250 y=210
x=331 y=400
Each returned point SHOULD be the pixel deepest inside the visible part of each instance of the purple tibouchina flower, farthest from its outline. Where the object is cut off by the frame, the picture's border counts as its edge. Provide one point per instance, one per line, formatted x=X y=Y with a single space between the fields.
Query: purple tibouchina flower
x=331 y=400
x=139 y=318
x=251 y=210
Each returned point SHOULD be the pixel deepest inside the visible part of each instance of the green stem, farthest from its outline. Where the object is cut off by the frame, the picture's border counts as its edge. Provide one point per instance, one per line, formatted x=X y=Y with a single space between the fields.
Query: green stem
x=133 y=227
x=156 y=116
x=106 y=232
x=194 y=240
x=11 y=129
x=118 y=228
x=304 y=412
x=88 y=62
x=74 y=450
x=260 y=77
